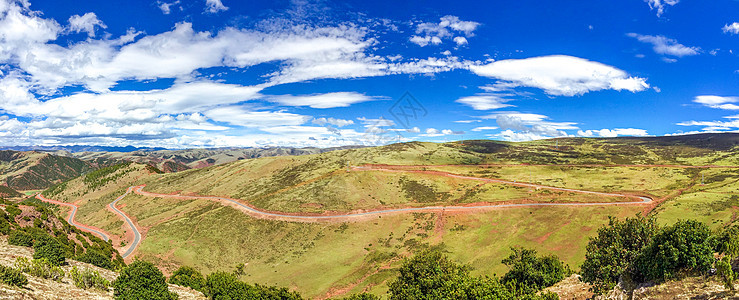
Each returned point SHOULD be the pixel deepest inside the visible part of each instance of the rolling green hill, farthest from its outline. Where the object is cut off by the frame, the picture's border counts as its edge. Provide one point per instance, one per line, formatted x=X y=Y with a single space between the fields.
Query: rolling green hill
x=360 y=255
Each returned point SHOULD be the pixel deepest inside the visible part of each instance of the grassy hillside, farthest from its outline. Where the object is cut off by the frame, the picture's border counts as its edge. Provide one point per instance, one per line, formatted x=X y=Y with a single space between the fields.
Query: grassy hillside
x=361 y=255
x=36 y=170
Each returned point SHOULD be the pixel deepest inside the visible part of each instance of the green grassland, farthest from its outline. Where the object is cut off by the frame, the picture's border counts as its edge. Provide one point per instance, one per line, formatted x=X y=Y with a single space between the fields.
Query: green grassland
x=357 y=256
x=715 y=202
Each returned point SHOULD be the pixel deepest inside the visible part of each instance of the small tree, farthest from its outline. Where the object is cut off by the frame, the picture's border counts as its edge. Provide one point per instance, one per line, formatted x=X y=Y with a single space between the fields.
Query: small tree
x=610 y=254
x=223 y=286
x=723 y=268
x=49 y=248
x=20 y=238
x=681 y=249
x=12 y=276
x=141 y=280
x=529 y=274
x=96 y=258
x=189 y=277
x=432 y=275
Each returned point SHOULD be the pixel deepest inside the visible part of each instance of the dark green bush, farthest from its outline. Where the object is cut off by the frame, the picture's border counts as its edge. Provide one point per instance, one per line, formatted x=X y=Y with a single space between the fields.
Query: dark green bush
x=431 y=275
x=12 y=276
x=362 y=296
x=141 y=280
x=20 y=238
x=529 y=274
x=49 y=248
x=225 y=286
x=96 y=258
x=681 y=249
x=189 y=277
x=727 y=241
x=610 y=254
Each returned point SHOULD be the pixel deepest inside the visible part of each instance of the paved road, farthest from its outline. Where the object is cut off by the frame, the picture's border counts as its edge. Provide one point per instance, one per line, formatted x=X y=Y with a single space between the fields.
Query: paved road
x=136 y=233
x=311 y=218
x=70 y=220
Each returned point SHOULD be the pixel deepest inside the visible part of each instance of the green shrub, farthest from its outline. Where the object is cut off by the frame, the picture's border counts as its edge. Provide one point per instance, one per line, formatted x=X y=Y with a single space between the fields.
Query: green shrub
x=723 y=269
x=431 y=275
x=13 y=211
x=20 y=238
x=222 y=285
x=12 y=276
x=727 y=241
x=49 y=248
x=96 y=258
x=141 y=280
x=87 y=279
x=189 y=277
x=39 y=268
x=681 y=249
x=529 y=274
x=610 y=254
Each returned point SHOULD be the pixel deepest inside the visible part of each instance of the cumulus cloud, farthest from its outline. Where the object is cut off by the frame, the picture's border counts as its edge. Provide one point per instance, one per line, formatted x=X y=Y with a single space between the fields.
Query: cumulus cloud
x=484 y=101
x=732 y=28
x=560 y=75
x=214 y=6
x=719 y=102
x=666 y=46
x=449 y=27
x=85 y=23
x=660 y=5
x=613 y=132
x=527 y=126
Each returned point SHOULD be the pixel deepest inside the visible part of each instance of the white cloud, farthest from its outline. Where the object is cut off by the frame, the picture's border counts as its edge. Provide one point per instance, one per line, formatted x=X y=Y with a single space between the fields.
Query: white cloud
x=613 y=132
x=481 y=128
x=660 y=5
x=448 y=27
x=732 y=28
x=513 y=136
x=167 y=7
x=460 y=40
x=666 y=46
x=719 y=102
x=237 y=115
x=85 y=23
x=214 y=6
x=328 y=100
x=526 y=126
x=332 y=121
x=484 y=101
x=560 y=75
x=433 y=132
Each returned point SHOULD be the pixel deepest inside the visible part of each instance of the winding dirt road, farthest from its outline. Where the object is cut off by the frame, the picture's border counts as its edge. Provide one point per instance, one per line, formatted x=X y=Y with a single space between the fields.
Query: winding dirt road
x=341 y=217
x=98 y=231
x=70 y=217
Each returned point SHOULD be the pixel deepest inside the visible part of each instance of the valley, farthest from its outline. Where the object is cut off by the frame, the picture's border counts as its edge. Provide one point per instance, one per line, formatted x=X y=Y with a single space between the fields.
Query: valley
x=354 y=213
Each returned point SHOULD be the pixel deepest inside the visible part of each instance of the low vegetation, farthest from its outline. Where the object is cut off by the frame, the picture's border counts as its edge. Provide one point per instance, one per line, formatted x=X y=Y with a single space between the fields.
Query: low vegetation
x=87 y=279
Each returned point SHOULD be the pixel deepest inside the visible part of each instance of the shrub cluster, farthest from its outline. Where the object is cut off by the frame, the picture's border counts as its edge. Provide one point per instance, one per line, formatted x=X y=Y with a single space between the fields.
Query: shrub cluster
x=40 y=268
x=141 y=280
x=636 y=250
x=12 y=276
x=87 y=279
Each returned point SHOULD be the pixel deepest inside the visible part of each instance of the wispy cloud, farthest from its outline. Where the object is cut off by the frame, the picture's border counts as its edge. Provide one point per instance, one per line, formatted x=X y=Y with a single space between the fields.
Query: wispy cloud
x=666 y=46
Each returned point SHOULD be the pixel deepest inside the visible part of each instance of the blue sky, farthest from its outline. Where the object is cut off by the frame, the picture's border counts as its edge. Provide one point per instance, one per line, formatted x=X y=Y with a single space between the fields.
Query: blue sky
x=210 y=73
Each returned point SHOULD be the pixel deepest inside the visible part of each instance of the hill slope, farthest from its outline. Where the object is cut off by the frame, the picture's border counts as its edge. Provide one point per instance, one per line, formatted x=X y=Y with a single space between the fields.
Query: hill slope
x=36 y=170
